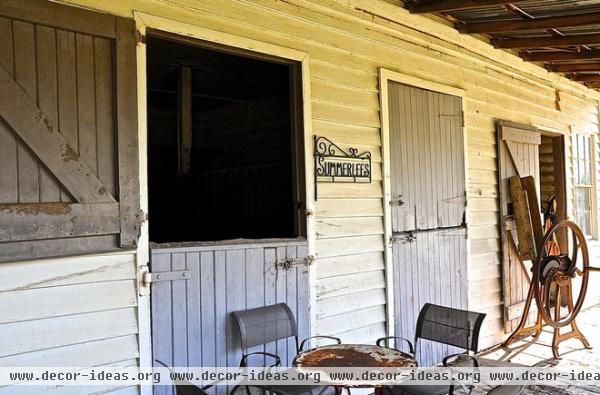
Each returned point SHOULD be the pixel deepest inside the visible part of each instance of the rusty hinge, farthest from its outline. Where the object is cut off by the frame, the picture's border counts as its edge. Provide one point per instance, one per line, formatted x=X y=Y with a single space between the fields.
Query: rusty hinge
x=397 y=200
x=404 y=238
x=290 y=263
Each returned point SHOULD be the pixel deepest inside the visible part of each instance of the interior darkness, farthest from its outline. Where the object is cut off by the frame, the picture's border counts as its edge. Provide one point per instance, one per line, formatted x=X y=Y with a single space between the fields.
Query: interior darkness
x=240 y=183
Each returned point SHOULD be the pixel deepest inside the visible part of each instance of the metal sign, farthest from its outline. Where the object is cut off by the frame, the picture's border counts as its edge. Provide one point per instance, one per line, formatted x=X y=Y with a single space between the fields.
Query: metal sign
x=333 y=164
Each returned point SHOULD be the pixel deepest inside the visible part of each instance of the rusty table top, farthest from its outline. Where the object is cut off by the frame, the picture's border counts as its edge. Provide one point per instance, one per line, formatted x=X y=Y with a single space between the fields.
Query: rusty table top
x=355 y=355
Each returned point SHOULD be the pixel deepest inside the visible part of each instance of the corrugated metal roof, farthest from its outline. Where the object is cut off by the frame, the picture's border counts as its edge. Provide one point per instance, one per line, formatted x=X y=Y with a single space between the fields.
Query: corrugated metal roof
x=467 y=14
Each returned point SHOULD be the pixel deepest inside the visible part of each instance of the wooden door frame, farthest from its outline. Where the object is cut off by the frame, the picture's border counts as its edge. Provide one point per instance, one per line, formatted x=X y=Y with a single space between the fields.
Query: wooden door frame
x=145 y=22
x=386 y=76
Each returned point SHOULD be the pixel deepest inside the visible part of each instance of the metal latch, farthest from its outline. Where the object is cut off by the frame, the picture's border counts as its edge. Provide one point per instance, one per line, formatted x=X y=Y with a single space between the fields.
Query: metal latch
x=408 y=238
x=290 y=263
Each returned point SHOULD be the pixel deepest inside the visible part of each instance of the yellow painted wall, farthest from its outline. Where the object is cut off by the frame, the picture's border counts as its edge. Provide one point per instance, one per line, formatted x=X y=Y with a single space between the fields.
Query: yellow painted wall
x=347 y=41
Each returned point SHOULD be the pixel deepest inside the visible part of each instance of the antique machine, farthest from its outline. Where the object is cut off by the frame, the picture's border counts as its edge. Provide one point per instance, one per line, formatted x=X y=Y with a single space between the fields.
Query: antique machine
x=559 y=278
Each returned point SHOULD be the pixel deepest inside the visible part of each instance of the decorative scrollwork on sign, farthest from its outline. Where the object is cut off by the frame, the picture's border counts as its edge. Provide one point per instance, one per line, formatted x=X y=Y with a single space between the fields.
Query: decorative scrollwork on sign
x=334 y=164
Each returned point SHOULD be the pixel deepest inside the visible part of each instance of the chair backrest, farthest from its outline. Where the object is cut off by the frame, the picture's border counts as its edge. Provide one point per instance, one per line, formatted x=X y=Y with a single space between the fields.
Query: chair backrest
x=265 y=325
x=459 y=328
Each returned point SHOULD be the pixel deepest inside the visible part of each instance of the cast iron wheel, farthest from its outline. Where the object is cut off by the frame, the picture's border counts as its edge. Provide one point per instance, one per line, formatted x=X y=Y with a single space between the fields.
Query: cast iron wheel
x=553 y=275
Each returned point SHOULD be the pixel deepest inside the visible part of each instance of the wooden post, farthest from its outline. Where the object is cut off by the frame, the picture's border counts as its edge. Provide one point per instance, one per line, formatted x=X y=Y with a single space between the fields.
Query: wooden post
x=522 y=218
x=185 y=120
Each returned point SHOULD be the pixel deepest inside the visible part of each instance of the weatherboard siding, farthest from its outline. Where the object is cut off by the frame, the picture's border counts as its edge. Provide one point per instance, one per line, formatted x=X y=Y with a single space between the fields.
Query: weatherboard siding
x=76 y=311
x=347 y=41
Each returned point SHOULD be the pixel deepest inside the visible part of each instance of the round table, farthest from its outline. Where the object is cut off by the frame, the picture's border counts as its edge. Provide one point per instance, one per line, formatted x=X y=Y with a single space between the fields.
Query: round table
x=355 y=355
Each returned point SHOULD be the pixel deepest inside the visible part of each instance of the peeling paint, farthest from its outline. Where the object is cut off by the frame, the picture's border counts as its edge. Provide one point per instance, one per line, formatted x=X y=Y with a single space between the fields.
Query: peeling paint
x=36 y=208
x=67 y=153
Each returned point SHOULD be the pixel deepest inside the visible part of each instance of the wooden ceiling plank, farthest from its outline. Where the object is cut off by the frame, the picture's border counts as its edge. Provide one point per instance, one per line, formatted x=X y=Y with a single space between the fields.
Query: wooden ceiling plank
x=557 y=55
x=591 y=18
x=584 y=77
x=575 y=67
x=544 y=42
x=593 y=85
x=450 y=5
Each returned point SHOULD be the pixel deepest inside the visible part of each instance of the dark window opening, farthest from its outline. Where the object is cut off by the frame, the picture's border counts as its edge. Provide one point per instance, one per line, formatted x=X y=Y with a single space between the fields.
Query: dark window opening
x=223 y=142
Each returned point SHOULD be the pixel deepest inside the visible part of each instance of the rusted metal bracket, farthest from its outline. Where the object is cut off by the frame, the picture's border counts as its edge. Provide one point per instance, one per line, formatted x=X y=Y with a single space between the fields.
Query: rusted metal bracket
x=290 y=263
x=397 y=200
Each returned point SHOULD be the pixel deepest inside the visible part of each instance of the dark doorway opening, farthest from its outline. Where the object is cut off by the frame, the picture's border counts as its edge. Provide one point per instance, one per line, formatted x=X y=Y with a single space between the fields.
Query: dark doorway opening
x=224 y=144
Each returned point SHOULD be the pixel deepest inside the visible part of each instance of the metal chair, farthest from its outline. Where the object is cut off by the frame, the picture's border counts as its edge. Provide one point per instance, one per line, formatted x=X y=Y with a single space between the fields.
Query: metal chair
x=507 y=390
x=264 y=325
x=186 y=387
x=445 y=325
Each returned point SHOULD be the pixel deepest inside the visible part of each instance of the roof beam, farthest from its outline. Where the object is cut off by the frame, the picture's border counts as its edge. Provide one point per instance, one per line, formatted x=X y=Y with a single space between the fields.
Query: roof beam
x=544 y=42
x=568 y=68
x=584 y=77
x=552 y=55
x=591 y=18
x=449 y=5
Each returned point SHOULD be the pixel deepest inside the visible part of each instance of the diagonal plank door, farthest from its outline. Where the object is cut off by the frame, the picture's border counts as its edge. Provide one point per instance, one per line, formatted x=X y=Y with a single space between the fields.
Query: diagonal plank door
x=68 y=137
x=518 y=155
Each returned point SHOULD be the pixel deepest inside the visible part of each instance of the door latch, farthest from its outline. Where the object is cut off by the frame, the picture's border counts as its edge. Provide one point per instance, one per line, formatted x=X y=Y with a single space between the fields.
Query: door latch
x=288 y=264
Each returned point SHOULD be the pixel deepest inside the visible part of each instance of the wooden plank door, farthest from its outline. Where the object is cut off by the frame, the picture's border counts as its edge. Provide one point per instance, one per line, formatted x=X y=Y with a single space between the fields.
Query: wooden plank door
x=427 y=207
x=518 y=154
x=68 y=136
x=191 y=316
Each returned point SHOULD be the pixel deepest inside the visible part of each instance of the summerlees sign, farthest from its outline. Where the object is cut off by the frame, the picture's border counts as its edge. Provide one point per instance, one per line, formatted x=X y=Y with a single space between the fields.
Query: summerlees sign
x=333 y=164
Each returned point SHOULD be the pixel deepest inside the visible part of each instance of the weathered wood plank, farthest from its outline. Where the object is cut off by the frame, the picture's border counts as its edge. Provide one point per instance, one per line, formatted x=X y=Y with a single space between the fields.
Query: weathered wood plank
x=57 y=220
x=522 y=218
x=66 y=330
x=530 y=187
x=105 y=125
x=85 y=355
x=31 y=249
x=70 y=18
x=15 y=276
x=50 y=302
x=25 y=77
x=32 y=126
x=8 y=144
x=86 y=100
x=47 y=99
x=127 y=126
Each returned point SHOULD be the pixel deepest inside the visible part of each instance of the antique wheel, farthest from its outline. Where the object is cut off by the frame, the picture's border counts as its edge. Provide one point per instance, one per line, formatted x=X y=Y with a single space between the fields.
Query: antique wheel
x=558 y=276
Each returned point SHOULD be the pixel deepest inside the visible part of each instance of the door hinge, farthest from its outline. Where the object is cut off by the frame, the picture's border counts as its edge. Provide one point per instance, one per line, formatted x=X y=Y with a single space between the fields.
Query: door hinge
x=404 y=238
x=147 y=277
x=397 y=200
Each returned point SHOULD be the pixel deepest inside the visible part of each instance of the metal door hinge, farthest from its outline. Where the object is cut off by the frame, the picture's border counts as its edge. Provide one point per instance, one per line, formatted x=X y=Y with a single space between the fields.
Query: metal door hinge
x=147 y=277
x=404 y=238
x=397 y=200
x=290 y=263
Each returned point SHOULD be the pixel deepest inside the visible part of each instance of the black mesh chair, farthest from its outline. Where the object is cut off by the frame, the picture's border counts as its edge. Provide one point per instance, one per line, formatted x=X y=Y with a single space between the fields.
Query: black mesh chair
x=507 y=390
x=185 y=387
x=264 y=325
x=445 y=325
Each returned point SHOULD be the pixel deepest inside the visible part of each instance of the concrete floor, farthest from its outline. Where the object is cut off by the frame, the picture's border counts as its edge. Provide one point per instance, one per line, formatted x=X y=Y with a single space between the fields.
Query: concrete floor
x=572 y=354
